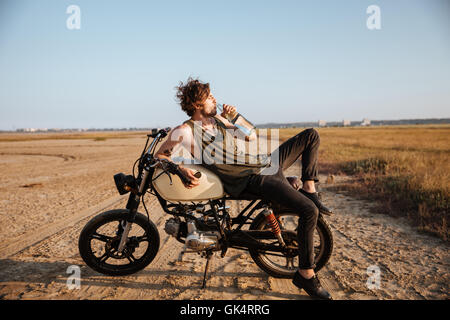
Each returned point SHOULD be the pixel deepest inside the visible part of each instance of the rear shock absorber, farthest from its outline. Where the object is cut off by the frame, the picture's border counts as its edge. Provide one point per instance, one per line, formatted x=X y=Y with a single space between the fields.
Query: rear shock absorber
x=274 y=225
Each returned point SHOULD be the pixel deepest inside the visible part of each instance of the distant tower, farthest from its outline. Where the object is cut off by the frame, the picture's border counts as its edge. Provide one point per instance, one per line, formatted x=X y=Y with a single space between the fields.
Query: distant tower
x=322 y=123
x=346 y=123
x=365 y=122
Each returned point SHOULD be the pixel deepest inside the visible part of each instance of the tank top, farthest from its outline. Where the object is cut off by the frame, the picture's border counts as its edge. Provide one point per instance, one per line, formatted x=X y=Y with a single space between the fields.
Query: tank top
x=221 y=155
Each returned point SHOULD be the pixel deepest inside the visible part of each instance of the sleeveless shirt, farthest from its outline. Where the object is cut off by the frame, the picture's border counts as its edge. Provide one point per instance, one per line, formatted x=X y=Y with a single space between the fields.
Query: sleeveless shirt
x=220 y=154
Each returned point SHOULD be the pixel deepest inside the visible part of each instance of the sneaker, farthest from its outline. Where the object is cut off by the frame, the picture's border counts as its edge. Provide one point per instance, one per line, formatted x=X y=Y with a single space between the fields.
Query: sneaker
x=312 y=287
x=314 y=196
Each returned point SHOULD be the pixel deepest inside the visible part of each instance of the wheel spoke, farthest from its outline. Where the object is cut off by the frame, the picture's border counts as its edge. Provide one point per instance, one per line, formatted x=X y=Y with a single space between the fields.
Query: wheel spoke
x=267 y=253
x=143 y=238
x=104 y=257
x=290 y=261
x=131 y=258
x=272 y=242
x=100 y=237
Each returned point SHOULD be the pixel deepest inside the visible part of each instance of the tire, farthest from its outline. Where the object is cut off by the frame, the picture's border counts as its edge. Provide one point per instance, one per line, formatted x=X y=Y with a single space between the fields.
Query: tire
x=110 y=221
x=323 y=240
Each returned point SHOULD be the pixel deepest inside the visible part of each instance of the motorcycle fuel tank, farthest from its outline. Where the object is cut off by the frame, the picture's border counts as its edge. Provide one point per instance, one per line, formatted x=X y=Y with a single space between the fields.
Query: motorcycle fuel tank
x=210 y=186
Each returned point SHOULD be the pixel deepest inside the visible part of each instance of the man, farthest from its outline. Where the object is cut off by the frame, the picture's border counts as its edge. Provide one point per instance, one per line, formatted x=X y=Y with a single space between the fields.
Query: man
x=251 y=176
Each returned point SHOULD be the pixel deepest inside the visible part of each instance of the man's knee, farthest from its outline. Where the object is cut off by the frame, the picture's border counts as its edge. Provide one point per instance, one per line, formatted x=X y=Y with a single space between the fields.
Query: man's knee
x=311 y=212
x=312 y=133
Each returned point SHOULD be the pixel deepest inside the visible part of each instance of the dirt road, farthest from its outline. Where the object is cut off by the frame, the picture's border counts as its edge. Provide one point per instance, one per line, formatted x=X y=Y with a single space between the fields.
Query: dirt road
x=49 y=189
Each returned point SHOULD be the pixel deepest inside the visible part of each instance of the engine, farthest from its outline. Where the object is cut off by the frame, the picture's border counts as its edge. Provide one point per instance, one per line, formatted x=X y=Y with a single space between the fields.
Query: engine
x=173 y=227
x=196 y=239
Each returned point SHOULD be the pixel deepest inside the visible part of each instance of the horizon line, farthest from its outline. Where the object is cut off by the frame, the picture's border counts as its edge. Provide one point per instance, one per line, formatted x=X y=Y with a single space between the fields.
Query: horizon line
x=320 y=123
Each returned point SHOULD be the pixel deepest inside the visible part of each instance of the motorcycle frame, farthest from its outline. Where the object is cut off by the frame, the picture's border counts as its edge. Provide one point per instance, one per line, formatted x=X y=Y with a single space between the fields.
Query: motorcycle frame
x=144 y=181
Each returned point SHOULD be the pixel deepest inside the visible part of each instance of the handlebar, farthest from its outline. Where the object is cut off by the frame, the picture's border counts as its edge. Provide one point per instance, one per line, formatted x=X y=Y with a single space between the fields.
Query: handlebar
x=167 y=165
x=163 y=132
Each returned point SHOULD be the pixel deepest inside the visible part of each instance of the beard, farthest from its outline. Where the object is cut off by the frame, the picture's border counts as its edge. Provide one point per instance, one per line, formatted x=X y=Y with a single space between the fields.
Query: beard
x=212 y=113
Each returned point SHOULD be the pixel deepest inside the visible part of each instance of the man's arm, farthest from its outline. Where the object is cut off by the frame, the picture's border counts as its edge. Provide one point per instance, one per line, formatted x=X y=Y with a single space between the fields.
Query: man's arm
x=179 y=136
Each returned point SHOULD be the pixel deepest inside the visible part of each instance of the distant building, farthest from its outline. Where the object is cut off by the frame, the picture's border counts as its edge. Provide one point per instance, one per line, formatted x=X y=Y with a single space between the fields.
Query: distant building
x=322 y=123
x=346 y=123
x=26 y=130
x=365 y=122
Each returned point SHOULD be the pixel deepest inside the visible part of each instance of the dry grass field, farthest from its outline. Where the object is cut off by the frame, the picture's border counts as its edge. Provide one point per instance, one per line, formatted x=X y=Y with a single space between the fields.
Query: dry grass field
x=52 y=184
x=404 y=168
x=83 y=135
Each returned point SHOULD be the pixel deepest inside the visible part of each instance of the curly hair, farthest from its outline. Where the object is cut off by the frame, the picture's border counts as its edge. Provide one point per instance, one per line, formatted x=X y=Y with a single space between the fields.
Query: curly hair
x=191 y=94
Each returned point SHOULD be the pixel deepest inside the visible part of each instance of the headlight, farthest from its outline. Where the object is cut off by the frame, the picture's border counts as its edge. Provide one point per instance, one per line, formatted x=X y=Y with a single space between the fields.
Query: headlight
x=124 y=183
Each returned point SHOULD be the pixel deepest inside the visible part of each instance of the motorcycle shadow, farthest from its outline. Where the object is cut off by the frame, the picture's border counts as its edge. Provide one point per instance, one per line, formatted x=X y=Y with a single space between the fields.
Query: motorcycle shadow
x=51 y=278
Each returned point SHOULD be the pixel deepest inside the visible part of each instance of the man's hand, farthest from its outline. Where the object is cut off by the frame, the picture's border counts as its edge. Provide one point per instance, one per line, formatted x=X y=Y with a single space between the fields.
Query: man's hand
x=227 y=109
x=190 y=175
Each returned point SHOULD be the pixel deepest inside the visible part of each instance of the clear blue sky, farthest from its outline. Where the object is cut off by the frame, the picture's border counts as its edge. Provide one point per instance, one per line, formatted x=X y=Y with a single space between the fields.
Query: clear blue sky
x=276 y=61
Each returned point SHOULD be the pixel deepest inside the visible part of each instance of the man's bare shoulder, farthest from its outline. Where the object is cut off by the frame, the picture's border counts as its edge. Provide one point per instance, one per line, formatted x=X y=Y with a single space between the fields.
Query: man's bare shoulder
x=181 y=130
x=182 y=126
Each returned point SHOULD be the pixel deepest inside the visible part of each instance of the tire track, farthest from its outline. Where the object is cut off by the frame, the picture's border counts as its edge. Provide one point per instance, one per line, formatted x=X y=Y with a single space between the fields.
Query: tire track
x=411 y=265
x=65 y=157
x=366 y=254
x=20 y=243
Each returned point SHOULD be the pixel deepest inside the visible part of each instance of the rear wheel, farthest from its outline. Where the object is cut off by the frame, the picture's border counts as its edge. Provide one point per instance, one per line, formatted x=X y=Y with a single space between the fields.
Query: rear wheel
x=284 y=265
x=100 y=238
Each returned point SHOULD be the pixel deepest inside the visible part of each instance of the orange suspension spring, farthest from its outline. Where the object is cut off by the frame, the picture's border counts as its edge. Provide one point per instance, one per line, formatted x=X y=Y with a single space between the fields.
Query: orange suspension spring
x=273 y=223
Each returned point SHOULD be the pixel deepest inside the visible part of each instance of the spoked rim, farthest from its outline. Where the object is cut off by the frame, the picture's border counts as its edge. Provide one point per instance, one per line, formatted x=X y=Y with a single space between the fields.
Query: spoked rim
x=105 y=239
x=289 y=263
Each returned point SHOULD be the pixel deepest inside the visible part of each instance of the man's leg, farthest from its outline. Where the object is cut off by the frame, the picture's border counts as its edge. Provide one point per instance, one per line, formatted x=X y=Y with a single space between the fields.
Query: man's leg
x=309 y=186
x=276 y=189
x=305 y=144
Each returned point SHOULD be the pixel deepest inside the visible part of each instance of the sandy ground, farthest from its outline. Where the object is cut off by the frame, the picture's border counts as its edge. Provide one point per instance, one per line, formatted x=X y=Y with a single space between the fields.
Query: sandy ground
x=49 y=189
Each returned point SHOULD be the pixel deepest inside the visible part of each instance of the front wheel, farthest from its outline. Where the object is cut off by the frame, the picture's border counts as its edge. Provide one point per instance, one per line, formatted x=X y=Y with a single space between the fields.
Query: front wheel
x=100 y=238
x=284 y=265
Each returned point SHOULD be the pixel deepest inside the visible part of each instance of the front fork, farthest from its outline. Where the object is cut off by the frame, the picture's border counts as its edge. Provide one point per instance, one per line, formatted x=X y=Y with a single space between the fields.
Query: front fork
x=132 y=205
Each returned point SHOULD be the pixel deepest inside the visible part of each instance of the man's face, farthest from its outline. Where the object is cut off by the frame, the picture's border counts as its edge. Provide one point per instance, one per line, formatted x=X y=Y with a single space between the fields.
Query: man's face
x=209 y=106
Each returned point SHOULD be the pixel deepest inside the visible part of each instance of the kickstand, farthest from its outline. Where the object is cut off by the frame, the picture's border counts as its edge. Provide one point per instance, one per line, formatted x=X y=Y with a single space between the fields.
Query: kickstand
x=208 y=257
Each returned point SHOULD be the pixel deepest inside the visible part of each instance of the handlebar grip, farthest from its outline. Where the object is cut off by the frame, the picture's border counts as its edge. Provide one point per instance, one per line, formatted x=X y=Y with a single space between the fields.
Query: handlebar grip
x=183 y=178
x=175 y=169
x=162 y=132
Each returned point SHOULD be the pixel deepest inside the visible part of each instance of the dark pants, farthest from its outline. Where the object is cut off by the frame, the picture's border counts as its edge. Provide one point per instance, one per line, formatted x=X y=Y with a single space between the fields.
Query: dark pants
x=276 y=188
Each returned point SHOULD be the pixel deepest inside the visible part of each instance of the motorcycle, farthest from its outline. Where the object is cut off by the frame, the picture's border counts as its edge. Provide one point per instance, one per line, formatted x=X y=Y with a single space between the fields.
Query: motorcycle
x=124 y=241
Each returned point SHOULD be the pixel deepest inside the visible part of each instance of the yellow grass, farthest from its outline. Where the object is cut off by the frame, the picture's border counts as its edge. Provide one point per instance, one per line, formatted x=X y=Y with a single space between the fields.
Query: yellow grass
x=405 y=168
x=95 y=135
